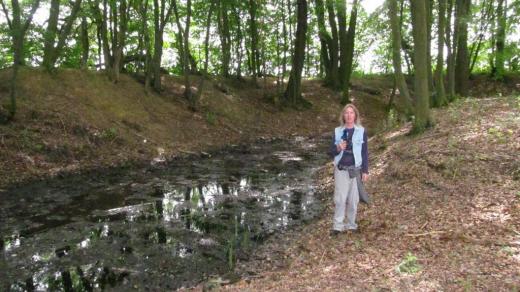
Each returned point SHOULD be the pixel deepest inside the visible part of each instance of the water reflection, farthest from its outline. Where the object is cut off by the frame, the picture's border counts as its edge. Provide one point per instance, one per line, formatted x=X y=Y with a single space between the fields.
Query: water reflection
x=191 y=218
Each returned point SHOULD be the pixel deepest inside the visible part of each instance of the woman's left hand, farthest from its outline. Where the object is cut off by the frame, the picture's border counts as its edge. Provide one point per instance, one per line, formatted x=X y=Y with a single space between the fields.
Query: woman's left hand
x=364 y=177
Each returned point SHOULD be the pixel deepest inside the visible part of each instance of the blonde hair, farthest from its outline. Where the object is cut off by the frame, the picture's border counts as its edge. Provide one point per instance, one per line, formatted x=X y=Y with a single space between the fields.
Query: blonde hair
x=357 y=121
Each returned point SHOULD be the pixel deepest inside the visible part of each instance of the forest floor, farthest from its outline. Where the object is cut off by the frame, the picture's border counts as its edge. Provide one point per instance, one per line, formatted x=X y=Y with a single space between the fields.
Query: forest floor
x=445 y=214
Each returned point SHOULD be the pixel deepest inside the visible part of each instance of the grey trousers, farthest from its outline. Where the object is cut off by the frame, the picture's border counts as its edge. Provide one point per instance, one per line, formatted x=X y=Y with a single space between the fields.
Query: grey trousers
x=346 y=199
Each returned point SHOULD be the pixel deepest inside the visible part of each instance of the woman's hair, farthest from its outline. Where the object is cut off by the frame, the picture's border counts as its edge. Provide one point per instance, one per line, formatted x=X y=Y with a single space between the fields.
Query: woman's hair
x=357 y=121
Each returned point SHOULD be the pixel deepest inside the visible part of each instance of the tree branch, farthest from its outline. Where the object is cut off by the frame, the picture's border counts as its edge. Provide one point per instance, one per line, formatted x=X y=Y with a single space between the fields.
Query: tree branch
x=6 y=14
x=35 y=6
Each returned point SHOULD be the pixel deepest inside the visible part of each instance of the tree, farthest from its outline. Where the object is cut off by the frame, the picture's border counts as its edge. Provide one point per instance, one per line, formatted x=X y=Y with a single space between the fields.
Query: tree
x=462 y=55
x=161 y=17
x=225 y=36
x=500 y=39
x=185 y=50
x=349 y=52
x=51 y=49
x=292 y=94
x=451 y=44
x=440 y=94
x=18 y=29
x=85 y=46
x=404 y=104
x=254 y=56
x=200 y=86
x=419 y=29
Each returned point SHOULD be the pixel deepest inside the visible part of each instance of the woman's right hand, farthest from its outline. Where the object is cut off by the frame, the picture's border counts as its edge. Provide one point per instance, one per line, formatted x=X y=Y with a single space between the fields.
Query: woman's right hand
x=342 y=145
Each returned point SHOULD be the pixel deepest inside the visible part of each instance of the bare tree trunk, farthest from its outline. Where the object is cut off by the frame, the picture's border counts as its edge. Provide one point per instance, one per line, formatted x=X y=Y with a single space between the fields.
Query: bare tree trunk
x=451 y=43
x=462 y=57
x=50 y=34
x=225 y=38
x=17 y=31
x=500 y=39
x=200 y=87
x=325 y=41
x=420 y=36
x=487 y=18
x=293 y=92
x=285 y=43
x=404 y=104
x=121 y=39
x=349 y=50
x=341 y=8
x=440 y=96
x=254 y=38
x=187 y=91
x=85 y=46
x=429 y=23
x=161 y=17
x=334 y=47
x=239 y=38
x=52 y=50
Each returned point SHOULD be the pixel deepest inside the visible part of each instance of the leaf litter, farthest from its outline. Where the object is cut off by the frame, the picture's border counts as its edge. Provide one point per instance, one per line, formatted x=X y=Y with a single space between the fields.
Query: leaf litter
x=446 y=206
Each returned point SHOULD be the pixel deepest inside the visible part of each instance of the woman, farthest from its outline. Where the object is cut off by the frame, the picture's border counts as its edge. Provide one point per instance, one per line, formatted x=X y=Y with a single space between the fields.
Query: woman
x=350 y=151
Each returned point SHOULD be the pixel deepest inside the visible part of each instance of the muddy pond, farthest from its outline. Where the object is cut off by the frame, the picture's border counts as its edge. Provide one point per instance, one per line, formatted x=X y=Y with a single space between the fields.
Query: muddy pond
x=158 y=227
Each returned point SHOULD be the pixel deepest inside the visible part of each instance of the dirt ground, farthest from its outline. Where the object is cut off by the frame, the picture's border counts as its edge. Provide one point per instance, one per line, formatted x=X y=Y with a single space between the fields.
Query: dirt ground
x=446 y=204
x=445 y=214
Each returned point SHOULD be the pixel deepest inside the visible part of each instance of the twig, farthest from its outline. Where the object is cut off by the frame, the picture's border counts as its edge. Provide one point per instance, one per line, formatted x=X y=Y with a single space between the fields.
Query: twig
x=187 y=152
x=321 y=259
x=426 y=233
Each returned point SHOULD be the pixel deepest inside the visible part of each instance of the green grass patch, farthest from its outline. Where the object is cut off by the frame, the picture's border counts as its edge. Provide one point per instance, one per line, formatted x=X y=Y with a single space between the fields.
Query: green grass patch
x=408 y=265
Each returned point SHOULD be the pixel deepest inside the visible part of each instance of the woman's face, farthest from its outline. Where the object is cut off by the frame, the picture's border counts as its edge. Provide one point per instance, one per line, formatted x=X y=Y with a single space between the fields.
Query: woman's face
x=349 y=115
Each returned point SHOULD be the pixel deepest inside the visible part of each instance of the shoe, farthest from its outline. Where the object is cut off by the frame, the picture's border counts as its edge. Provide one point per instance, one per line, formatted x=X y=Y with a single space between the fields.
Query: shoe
x=335 y=232
x=354 y=230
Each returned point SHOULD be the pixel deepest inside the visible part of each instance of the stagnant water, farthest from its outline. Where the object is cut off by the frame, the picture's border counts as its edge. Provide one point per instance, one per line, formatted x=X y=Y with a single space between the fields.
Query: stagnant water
x=159 y=227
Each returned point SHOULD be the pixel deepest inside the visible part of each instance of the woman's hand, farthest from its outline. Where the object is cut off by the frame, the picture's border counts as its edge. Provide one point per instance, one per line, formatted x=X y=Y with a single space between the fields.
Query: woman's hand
x=342 y=145
x=364 y=177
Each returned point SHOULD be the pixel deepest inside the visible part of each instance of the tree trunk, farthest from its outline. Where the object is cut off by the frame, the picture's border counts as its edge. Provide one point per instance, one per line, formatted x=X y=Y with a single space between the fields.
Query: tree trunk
x=239 y=38
x=429 y=13
x=187 y=90
x=420 y=37
x=17 y=31
x=487 y=17
x=161 y=17
x=85 y=46
x=349 y=59
x=292 y=94
x=500 y=39
x=50 y=34
x=451 y=42
x=225 y=38
x=200 y=86
x=404 y=102
x=325 y=41
x=102 y=24
x=341 y=8
x=334 y=46
x=121 y=39
x=462 y=56
x=440 y=94
x=254 y=39
x=285 y=43
x=51 y=50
